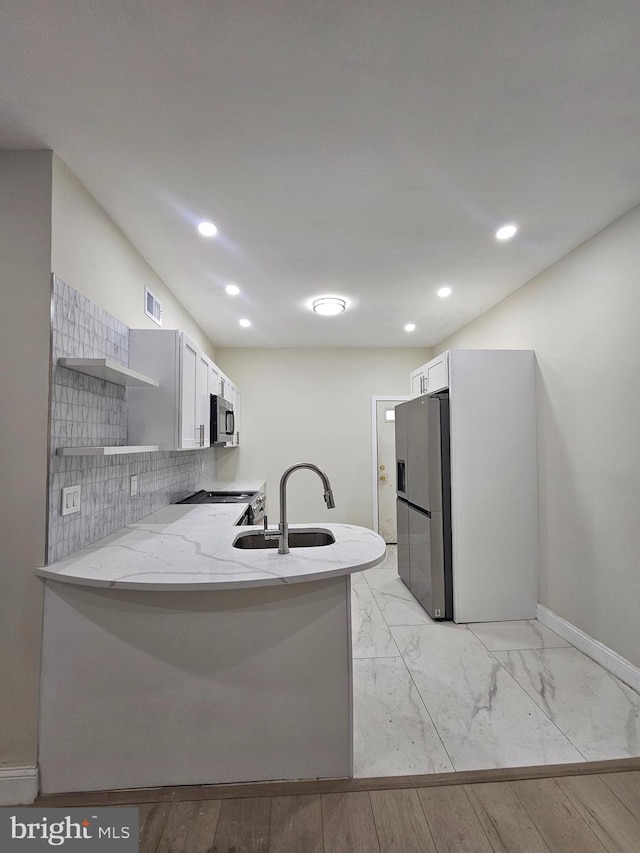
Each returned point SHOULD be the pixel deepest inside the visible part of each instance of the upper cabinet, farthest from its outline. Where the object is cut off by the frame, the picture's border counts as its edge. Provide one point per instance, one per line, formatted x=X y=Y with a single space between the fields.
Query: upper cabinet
x=437 y=373
x=418 y=380
x=431 y=377
x=229 y=391
x=177 y=414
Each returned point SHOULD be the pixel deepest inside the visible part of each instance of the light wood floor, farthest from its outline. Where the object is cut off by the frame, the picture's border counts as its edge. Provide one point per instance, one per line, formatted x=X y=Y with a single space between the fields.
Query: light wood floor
x=561 y=814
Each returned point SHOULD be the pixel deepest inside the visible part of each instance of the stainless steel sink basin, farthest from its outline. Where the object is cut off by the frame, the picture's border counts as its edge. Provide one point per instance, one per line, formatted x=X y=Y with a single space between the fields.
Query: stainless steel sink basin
x=297 y=539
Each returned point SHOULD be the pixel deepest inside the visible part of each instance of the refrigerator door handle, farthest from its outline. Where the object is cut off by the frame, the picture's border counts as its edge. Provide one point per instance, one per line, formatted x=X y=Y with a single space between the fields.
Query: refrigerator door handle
x=401 y=476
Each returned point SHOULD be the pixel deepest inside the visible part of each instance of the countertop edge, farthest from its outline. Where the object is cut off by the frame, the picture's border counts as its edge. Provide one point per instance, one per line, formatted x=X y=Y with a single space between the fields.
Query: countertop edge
x=212 y=586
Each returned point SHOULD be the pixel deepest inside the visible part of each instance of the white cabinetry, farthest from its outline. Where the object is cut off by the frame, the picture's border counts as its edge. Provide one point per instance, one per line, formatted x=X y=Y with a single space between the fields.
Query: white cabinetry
x=418 y=380
x=177 y=414
x=193 y=397
x=214 y=379
x=236 y=417
x=230 y=393
x=494 y=493
x=437 y=373
x=430 y=377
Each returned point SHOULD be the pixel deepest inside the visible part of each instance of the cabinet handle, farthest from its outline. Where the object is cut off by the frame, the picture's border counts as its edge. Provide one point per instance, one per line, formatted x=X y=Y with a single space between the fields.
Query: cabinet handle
x=201 y=435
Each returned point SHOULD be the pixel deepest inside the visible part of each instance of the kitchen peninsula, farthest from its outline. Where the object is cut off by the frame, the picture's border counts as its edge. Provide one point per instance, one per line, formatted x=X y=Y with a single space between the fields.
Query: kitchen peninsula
x=171 y=657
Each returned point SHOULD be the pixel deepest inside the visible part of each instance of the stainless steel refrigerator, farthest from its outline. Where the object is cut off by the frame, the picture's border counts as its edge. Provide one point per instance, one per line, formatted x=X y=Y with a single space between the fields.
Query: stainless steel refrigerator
x=424 y=502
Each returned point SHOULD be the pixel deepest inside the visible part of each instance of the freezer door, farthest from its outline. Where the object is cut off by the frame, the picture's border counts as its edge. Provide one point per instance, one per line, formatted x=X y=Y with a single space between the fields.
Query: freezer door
x=401 y=449
x=439 y=605
x=428 y=581
x=420 y=556
x=403 y=542
x=417 y=452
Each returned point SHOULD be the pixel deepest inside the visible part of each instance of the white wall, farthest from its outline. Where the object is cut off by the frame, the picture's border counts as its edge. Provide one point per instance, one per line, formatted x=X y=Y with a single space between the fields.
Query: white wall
x=25 y=264
x=312 y=405
x=581 y=318
x=91 y=254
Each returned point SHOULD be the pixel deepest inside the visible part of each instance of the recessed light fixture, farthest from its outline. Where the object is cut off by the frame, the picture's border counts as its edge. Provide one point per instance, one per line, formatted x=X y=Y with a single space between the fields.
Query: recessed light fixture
x=245 y=323
x=207 y=229
x=232 y=289
x=506 y=232
x=444 y=291
x=410 y=327
x=329 y=305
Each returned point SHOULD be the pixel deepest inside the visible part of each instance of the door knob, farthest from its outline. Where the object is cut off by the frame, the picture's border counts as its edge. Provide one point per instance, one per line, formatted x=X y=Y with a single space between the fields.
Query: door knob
x=382 y=467
x=383 y=476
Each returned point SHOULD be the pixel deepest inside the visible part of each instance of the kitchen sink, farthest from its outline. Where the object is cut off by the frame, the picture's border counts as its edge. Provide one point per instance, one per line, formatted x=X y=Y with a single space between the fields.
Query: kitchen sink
x=297 y=539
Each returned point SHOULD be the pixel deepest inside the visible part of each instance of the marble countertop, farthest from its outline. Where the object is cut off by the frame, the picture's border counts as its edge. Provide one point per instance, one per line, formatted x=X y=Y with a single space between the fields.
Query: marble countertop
x=190 y=547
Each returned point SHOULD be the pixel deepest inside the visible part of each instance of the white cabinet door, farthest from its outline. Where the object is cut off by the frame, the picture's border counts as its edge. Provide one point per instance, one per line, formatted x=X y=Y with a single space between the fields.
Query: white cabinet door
x=190 y=404
x=177 y=415
x=418 y=381
x=437 y=373
x=214 y=379
x=203 y=401
x=236 y=417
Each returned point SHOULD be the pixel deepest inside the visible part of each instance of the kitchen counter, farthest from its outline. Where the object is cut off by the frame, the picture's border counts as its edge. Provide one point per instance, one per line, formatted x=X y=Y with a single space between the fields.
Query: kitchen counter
x=190 y=547
x=172 y=658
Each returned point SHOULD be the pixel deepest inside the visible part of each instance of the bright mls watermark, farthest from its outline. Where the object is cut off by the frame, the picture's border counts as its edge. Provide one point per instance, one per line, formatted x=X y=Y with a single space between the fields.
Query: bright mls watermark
x=111 y=829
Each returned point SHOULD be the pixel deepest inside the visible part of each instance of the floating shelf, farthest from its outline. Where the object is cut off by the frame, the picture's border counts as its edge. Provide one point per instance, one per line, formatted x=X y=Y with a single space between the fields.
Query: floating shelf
x=108 y=369
x=106 y=451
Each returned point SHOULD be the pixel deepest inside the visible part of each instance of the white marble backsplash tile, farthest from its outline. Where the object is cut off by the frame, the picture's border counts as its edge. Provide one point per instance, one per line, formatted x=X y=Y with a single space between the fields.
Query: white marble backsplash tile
x=86 y=411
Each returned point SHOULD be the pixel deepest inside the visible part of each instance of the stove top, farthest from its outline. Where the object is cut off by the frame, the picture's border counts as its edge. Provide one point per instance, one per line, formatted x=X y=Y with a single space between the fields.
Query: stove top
x=205 y=497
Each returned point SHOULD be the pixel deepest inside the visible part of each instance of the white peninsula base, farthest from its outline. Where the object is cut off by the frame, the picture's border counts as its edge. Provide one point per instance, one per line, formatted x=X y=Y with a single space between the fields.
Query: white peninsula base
x=152 y=688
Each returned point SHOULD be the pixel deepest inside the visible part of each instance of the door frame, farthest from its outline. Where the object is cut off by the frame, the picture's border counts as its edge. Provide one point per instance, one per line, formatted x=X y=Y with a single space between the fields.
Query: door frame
x=376 y=398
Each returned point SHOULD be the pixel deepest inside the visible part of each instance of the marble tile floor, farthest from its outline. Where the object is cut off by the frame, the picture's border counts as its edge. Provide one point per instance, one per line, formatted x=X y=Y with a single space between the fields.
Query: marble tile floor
x=432 y=697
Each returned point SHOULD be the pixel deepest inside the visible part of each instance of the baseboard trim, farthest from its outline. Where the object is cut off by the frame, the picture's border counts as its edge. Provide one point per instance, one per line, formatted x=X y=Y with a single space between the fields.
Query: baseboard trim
x=597 y=651
x=18 y=785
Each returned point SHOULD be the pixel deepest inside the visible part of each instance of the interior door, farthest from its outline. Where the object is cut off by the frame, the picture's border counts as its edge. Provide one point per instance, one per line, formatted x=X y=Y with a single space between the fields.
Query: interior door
x=386 y=467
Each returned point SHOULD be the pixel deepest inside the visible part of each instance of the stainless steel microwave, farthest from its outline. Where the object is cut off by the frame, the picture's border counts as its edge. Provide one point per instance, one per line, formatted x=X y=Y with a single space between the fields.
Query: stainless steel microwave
x=223 y=422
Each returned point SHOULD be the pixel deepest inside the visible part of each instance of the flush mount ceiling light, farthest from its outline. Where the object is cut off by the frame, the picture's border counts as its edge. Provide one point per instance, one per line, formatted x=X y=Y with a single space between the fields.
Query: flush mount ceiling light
x=444 y=291
x=245 y=323
x=506 y=232
x=207 y=229
x=329 y=305
x=232 y=289
x=410 y=327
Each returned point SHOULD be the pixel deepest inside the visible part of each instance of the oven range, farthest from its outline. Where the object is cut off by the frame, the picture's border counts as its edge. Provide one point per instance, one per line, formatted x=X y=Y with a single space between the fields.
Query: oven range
x=253 y=514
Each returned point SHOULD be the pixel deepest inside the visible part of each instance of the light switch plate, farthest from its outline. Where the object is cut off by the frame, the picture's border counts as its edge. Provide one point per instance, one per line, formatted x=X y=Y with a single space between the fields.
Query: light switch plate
x=133 y=485
x=70 y=500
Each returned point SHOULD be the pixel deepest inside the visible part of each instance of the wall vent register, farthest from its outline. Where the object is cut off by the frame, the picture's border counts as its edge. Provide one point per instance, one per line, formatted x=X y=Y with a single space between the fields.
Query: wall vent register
x=152 y=306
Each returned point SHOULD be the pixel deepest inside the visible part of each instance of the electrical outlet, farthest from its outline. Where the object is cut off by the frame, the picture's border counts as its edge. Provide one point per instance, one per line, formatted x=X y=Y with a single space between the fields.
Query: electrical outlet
x=133 y=485
x=70 y=500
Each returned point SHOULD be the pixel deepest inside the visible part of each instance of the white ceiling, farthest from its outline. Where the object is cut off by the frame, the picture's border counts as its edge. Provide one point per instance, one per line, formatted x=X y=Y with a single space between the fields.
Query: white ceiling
x=368 y=149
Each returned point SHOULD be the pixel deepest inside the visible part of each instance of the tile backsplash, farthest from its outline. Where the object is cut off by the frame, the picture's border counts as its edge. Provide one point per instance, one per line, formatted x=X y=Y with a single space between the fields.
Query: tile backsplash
x=86 y=411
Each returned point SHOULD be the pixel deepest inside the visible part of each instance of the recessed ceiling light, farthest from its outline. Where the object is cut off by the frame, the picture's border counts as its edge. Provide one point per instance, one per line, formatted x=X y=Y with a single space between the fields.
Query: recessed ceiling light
x=506 y=232
x=444 y=291
x=329 y=305
x=207 y=229
x=410 y=327
x=245 y=323
x=232 y=289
